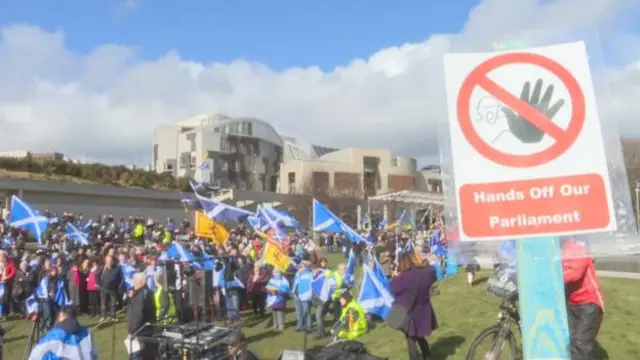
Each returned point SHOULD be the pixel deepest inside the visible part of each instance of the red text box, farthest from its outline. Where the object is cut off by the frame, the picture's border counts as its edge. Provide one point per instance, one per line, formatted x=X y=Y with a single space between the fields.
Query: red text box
x=534 y=207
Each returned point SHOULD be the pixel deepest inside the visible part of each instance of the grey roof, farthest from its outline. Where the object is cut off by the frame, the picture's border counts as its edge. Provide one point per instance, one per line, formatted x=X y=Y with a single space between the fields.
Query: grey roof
x=86 y=189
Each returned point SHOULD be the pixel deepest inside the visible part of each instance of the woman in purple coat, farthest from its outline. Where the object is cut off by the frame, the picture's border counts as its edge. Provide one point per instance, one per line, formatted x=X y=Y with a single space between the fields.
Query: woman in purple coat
x=408 y=279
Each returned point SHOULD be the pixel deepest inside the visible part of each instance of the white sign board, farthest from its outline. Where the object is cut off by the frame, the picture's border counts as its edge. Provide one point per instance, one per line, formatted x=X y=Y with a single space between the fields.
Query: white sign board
x=526 y=144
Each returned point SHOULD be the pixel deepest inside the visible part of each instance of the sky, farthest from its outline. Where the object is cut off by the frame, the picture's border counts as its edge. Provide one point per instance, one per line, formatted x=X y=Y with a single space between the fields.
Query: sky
x=92 y=79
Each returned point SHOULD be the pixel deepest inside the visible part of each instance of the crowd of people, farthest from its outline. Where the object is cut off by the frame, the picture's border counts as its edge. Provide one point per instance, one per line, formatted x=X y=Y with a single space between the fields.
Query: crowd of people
x=122 y=266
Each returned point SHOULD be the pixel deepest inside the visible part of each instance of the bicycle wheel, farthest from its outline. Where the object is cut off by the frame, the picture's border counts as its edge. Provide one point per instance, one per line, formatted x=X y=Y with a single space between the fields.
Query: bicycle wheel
x=498 y=338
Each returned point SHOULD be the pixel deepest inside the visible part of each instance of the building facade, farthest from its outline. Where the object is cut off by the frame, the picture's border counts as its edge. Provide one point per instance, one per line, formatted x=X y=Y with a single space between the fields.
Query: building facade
x=237 y=153
x=352 y=172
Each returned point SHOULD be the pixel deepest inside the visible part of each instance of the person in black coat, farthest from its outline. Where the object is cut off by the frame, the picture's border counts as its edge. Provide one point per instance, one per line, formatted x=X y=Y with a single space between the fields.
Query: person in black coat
x=141 y=314
x=110 y=280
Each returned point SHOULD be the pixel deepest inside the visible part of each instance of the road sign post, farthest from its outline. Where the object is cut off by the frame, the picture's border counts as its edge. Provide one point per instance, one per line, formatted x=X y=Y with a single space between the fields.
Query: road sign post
x=530 y=182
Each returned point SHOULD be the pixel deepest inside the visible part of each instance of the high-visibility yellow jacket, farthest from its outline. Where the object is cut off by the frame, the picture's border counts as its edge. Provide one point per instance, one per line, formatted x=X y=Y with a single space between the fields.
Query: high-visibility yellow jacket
x=338 y=278
x=355 y=320
x=164 y=311
x=138 y=231
x=166 y=237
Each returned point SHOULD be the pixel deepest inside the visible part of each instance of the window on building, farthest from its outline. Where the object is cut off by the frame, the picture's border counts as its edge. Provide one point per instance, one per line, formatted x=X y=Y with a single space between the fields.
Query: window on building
x=224 y=165
x=394 y=161
x=216 y=129
x=168 y=167
x=249 y=129
x=292 y=178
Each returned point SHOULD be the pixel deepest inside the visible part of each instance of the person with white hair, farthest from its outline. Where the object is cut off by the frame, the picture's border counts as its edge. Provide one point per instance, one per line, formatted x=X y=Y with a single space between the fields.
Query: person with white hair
x=142 y=311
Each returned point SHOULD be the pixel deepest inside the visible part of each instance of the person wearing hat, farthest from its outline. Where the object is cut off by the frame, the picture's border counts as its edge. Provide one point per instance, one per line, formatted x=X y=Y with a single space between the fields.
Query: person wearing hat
x=353 y=320
x=237 y=347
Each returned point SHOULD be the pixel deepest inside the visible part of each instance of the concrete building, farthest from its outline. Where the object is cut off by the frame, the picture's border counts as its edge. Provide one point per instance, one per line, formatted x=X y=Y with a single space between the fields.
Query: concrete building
x=236 y=153
x=349 y=172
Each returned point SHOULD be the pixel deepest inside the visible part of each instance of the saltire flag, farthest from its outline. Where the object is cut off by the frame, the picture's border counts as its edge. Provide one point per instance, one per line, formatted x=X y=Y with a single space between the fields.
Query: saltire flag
x=365 y=220
x=279 y=217
x=59 y=344
x=220 y=211
x=281 y=285
x=349 y=273
x=7 y=241
x=325 y=221
x=375 y=297
x=127 y=274
x=202 y=187
x=76 y=235
x=188 y=203
x=323 y=285
x=219 y=280
x=382 y=224
x=60 y=297
x=270 y=224
x=176 y=252
x=26 y=217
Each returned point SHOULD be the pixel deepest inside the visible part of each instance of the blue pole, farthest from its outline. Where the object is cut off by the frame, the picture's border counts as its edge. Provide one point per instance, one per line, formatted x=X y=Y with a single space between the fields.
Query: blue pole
x=543 y=308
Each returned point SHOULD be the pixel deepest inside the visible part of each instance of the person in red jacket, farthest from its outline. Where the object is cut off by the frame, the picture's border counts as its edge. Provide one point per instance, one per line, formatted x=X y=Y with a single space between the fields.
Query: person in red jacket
x=7 y=273
x=585 y=305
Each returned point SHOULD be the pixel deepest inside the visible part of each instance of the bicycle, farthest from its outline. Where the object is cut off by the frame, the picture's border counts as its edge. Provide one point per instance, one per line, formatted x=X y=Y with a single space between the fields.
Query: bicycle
x=501 y=333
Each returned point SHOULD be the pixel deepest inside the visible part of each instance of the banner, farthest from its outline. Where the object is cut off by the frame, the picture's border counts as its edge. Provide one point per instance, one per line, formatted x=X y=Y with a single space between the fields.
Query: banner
x=207 y=228
x=275 y=256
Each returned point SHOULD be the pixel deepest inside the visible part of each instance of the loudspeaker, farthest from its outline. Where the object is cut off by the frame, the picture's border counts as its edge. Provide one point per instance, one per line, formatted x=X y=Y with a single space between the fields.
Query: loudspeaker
x=291 y=355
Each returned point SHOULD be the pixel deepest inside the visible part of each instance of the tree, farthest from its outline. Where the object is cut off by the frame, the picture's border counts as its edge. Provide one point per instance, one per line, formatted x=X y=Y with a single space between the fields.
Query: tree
x=118 y=175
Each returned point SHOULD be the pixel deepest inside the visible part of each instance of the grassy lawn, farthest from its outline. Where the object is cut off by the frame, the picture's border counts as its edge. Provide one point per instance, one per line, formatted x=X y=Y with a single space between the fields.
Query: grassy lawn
x=461 y=311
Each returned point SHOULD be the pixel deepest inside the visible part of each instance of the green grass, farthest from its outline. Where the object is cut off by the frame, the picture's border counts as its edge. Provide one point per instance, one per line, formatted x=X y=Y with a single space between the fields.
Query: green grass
x=461 y=311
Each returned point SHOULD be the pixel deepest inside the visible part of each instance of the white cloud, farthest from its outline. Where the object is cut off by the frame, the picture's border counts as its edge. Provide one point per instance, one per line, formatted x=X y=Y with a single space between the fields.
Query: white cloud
x=105 y=104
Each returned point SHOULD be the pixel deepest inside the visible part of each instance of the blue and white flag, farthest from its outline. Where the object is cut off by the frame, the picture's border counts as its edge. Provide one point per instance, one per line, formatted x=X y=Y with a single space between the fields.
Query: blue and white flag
x=375 y=298
x=254 y=221
x=365 y=221
x=349 y=274
x=269 y=222
x=26 y=217
x=60 y=297
x=7 y=241
x=220 y=211
x=76 y=235
x=279 y=217
x=325 y=221
x=219 y=280
x=31 y=304
x=323 y=285
x=127 y=274
x=281 y=285
x=382 y=224
x=176 y=252
x=57 y=344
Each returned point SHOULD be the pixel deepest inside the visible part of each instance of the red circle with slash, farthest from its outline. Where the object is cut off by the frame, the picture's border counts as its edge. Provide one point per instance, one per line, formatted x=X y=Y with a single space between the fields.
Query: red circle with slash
x=563 y=138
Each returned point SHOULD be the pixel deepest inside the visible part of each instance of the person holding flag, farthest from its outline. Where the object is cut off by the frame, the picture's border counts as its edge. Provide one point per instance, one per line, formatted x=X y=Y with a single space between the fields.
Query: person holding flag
x=66 y=340
x=277 y=294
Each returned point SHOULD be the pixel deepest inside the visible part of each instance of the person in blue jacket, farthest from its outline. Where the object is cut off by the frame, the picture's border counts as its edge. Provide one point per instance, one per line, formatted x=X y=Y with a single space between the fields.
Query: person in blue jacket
x=66 y=340
x=302 y=293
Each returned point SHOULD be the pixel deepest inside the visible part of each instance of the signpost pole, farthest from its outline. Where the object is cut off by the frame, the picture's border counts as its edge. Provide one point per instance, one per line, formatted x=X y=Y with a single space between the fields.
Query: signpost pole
x=543 y=309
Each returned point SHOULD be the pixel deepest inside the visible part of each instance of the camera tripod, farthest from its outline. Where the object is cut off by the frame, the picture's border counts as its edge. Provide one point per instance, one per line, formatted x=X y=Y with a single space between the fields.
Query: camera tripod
x=37 y=329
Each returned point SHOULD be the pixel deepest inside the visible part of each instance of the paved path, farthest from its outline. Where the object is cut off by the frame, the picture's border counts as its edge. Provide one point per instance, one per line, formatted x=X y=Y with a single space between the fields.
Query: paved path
x=619 y=275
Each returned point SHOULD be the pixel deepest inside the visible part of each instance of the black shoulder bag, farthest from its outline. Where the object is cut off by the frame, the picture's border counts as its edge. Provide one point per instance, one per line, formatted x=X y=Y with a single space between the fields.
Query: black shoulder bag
x=399 y=315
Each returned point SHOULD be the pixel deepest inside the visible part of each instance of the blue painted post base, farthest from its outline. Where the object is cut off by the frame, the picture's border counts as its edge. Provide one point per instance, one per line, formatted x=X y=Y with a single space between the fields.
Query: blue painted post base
x=543 y=310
